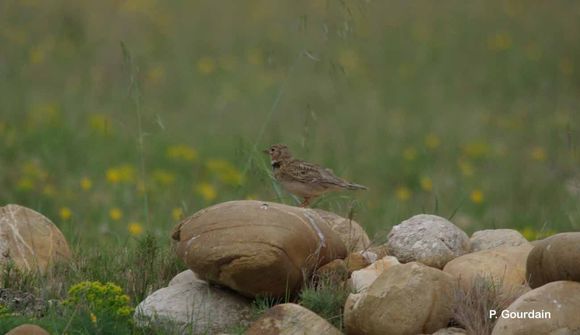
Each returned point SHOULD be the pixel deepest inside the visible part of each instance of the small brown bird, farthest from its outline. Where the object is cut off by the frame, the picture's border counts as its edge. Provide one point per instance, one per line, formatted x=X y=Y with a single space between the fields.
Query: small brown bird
x=304 y=179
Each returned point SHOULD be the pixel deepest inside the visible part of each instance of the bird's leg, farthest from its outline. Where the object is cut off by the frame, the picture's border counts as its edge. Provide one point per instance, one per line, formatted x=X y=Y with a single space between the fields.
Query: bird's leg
x=305 y=203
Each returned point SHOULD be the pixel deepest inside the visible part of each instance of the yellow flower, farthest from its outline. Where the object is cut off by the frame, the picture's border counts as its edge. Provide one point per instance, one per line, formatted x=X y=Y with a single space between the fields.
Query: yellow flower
x=225 y=171
x=124 y=173
x=33 y=170
x=177 y=213
x=115 y=214
x=403 y=193
x=466 y=167
x=207 y=191
x=135 y=228
x=476 y=196
x=538 y=154
x=181 y=152
x=476 y=149
x=499 y=42
x=86 y=184
x=49 y=190
x=100 y=123
x=206 y=65
x=65 y=213
x=349 y=60
x=155 y=75
x=25 y=184
x=432 y=141
x=529 y=233
x=93 y=318
x=426 y=184
x=409 y=153
x=163 y=177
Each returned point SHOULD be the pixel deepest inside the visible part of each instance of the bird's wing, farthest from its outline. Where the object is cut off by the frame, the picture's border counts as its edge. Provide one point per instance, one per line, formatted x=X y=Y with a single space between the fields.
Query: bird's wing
x=311 y=173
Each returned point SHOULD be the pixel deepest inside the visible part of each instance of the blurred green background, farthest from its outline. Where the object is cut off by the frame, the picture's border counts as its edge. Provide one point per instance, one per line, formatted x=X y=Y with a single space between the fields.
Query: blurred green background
x=466 y=109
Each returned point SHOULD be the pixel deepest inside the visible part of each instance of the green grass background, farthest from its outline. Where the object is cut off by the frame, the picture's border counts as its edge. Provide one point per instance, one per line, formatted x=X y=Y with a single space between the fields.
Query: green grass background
x=469 y=110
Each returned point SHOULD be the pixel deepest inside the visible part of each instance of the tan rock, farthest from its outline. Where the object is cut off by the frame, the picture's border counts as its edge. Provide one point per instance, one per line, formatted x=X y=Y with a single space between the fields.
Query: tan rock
x=379 y=250
x=28 y=329
x=561 y=299
x=356 y=261
x=429 y=239
x=493 y=238
x=291 y=319
x=192 y=306
x=505 y=265
x=257 y=248
x=554 y=258
x=406 y=299
x=333 y=272
x=350 y=232
x=30 y=240
x=361 y=280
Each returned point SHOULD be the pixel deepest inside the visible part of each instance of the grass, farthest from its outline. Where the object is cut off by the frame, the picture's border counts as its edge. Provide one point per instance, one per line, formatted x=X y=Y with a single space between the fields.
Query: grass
x=468 y=110
x=472 y=305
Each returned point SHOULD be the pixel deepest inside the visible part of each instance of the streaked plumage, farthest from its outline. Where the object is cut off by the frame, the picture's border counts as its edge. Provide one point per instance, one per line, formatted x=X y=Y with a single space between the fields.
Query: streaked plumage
x=302 y=178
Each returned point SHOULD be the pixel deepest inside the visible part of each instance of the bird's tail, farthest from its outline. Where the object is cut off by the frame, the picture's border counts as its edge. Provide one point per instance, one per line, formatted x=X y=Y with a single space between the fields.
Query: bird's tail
x=353 y=186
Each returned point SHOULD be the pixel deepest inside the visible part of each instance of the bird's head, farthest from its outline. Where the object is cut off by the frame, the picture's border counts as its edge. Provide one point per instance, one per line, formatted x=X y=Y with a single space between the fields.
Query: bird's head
x=278 y=152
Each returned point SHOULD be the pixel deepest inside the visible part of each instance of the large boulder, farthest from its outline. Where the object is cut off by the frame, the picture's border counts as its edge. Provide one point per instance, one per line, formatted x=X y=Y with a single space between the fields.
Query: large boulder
x=362 y=279
x=30 y=240
x=290 y=319
x=350 y=232
x=193 y=305
x=257 y=248
x=493 y=238
x=429 y=239
x=503 y=265
x=409 y=298
x=528 y=315
x=554 y=258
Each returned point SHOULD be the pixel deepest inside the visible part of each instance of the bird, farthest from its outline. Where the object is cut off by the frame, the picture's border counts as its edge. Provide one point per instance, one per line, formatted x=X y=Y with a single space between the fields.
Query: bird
x=302 y=178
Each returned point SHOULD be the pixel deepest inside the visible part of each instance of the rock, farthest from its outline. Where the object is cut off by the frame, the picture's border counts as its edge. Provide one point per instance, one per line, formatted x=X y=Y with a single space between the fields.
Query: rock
x=194 y=306
x=503 y=265
x=554 y=258
x=186 y=276
x=30 y=240
x=493 y=238
x=290 y=319
x=561 y=299
x=28 y=329
x=406 y=299
x=334 y=272
x=257 y=248
x=356 y=261
x=450 y=331
x=350 y=232
x=361 y=280
x=429 y=239
x=379 y=251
